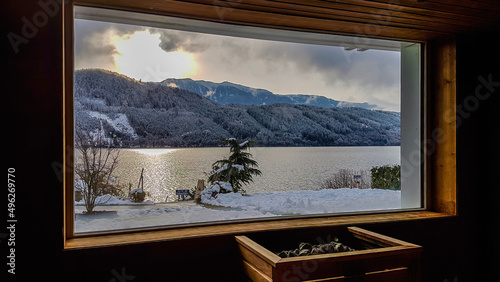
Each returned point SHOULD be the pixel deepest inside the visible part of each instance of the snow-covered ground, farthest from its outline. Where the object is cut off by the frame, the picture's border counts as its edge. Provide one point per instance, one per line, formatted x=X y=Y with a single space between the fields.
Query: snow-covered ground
x=235 y=206
x=108 y=200
x=312 y=202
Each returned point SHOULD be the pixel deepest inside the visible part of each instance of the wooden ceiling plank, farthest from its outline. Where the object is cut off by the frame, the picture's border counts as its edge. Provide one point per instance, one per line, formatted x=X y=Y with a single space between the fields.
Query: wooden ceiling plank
x=364 y=6
x=479 y=5
x=458 y=11
x=254 y=18
x=388 y=5
x=419 y=14
x=345 y=15
x=341 y=12
x=489 y=1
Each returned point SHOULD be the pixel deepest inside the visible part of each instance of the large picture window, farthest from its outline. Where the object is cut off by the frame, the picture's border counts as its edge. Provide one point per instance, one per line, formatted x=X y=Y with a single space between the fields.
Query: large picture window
x=181 y=122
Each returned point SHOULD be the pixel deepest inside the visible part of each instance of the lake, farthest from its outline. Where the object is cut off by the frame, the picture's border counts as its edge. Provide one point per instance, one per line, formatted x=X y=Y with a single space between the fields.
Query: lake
x=283 y=168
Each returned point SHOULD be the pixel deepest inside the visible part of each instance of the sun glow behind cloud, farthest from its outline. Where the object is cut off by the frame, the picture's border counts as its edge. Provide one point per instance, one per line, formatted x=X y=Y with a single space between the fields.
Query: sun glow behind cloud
x=139 y=56
x=153 y=54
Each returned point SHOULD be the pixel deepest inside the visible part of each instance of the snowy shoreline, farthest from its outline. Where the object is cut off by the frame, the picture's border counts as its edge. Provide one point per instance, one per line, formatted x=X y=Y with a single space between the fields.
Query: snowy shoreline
x=108 y=200
x=233 y=206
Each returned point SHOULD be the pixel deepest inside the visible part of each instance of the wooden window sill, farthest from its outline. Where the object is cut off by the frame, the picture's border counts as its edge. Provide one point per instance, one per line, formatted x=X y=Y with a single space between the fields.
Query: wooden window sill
x=239 y=228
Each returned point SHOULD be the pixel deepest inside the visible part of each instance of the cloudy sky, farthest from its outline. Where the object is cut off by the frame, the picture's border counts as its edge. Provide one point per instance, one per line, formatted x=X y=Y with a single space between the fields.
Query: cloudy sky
x=152 y=54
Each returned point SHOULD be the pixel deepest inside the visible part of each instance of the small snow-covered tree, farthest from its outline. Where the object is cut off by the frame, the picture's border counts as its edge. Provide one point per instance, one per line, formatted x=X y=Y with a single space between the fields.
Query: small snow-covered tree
x=239 y=168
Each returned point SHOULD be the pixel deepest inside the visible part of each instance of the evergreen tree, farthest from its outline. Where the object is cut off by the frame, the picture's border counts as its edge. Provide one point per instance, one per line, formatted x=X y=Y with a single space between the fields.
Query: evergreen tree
x=239 y=168
x=386 y=177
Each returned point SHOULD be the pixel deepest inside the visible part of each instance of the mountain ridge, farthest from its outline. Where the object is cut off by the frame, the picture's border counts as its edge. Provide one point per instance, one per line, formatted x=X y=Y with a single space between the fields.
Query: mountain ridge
x=232 y=93
x=148 y=114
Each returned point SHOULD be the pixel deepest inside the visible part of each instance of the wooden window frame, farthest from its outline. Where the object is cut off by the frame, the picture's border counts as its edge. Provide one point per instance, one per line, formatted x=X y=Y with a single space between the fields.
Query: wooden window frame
x=438 y=122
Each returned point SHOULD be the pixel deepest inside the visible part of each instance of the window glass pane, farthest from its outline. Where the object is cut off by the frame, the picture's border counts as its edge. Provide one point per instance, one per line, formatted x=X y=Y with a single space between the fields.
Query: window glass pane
x=254 y=123
x=411 y=157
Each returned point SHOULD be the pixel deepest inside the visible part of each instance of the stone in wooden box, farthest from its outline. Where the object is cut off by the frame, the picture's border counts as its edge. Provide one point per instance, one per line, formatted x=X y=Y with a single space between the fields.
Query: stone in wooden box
x=375 y=258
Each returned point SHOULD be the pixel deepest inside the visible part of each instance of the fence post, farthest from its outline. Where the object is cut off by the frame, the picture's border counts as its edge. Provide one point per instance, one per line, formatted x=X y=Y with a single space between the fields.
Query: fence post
x=199 y=187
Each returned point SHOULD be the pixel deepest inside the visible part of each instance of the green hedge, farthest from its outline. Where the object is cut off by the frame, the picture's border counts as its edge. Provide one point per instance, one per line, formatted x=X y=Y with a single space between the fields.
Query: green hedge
x=386 y=177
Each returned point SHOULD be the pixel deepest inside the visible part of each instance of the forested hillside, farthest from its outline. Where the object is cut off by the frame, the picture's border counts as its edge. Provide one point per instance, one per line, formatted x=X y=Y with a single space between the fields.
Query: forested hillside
x=230 y=93
x=155 y=115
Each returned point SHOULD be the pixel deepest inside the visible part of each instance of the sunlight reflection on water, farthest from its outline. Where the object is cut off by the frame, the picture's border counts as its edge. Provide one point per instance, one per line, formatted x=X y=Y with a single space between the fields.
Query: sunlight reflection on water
x=154 y=151
x=285 y=168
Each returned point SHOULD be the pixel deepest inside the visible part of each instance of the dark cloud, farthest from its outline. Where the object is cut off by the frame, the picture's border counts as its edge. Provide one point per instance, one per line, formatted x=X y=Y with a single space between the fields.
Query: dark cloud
x=368 y=67
x=371 y=67
x=326 y=57
x=172 y=40
x=86 y=42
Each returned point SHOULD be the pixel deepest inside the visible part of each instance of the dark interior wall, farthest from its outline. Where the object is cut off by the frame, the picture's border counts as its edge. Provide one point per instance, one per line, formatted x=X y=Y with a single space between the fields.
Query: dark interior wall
x=455 y=249
x=31 y=88
x=478 y=100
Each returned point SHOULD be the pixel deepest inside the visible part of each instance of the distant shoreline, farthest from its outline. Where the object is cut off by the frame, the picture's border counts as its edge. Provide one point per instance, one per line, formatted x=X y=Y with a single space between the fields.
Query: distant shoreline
x=222 y=146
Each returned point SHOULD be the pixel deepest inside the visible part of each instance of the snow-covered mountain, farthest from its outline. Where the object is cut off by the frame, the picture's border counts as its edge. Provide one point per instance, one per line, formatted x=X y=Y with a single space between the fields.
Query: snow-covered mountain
x=158 y=115
x=230 y=93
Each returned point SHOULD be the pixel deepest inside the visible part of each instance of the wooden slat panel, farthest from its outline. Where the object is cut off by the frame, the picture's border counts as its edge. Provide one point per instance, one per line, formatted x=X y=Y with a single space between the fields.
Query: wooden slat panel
x=375 y=237
x=370 y=18
x=254 y=274
x=345 y=266
x=493 y=5
x=346 y=12
x=229 y=14
x=392 y=7
x=443 y=87
x=488 y=1
x=491 y=13
x=256 y=261
x=256 y=255
x=399 y=274
x=268 y=256
x=354 y=255
x=390 y=275
x=381 y=10
x=401 y=257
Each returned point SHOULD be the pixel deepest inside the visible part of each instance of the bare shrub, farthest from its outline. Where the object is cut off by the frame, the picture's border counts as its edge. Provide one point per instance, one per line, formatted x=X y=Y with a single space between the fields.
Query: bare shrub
x=94 y=166
x=348 y=178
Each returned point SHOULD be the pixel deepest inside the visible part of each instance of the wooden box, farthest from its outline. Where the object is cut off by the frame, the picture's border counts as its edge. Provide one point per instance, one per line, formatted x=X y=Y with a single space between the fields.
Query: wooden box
x=376 y=258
